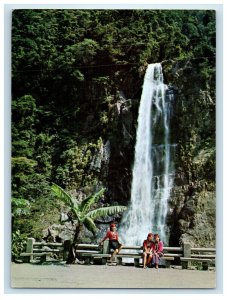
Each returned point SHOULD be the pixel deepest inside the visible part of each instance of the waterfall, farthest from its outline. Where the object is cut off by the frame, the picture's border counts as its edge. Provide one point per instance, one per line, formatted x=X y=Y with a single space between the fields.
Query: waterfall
x=153 y=169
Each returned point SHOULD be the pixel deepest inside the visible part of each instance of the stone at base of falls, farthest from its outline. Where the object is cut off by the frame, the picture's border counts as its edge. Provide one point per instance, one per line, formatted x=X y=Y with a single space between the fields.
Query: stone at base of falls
x=194 y=219
x=63 y=232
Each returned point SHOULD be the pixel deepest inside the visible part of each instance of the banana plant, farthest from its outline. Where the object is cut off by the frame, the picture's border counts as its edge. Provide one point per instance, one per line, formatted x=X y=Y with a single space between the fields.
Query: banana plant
x=82 y=212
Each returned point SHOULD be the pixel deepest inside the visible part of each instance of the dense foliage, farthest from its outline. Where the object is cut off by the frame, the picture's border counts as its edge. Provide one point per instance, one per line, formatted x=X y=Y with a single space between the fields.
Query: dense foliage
x=68 y=68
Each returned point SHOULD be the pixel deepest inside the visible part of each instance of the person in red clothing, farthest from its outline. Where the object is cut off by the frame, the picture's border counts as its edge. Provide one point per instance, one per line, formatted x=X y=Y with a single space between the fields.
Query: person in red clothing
x=158 y=251
x=148 y=247
x=112 y=235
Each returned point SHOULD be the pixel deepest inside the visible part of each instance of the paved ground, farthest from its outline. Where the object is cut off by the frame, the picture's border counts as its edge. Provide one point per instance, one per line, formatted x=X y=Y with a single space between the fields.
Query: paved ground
x=102 y=276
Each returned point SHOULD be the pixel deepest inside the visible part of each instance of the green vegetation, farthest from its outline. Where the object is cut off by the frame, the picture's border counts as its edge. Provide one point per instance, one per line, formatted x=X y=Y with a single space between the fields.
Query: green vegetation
x=68 y=69
x=83 y=213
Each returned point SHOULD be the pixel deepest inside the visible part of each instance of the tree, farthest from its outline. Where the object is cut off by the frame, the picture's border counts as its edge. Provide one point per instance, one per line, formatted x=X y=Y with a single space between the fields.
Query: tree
x=83 y=214
x=20 y=208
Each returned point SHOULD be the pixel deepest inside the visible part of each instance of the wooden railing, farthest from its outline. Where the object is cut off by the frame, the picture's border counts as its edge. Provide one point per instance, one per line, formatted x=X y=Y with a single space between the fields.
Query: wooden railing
x=205 y=256
x=184 y=255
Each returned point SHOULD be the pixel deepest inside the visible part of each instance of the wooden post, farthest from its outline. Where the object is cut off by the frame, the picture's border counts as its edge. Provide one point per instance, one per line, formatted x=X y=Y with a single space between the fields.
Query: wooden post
x=119 y=261
x=136 y=262
x=205 y=265
x=43 y=258
x=29 y=249
x=106 y=247
x=187 y=254
x=105 y=250
x=87 y=260
x=167 y=263
x=104 y=259
x=66 y=249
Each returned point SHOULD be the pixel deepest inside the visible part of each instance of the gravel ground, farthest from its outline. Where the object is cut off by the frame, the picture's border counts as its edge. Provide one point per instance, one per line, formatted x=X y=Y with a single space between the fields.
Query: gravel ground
x=103 y=276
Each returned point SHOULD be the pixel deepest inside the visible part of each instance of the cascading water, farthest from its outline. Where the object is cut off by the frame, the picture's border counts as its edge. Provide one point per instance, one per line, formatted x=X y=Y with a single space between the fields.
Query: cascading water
x=152 y=171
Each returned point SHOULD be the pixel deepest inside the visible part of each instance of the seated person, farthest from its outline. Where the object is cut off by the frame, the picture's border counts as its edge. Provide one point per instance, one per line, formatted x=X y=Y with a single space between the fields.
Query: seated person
x=158 y=250
x=148 y=246
x=112 y=235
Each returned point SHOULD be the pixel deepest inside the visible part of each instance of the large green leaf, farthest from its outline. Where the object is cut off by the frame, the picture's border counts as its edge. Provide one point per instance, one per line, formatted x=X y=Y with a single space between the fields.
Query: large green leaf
x=105 y=211
x=89 y=224
x=62 y=195
x=77 y=214
x=86 y=203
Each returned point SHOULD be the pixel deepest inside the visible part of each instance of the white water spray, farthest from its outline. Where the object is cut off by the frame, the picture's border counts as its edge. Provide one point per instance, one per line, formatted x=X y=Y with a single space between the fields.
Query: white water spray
x=152 y=180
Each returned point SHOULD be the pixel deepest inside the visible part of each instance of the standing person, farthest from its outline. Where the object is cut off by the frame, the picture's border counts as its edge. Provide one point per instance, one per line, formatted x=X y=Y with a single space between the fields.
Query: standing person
x=158 y=250
x=112 y=235
x=148 y=247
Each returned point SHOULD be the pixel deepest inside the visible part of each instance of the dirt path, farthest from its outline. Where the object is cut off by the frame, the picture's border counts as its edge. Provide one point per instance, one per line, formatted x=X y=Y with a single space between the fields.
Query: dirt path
x=101 y=276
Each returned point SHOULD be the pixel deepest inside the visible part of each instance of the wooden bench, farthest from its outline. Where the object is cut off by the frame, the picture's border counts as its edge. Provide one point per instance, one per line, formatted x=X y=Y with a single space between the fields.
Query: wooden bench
x=26 y=257
x=89 y=257
x=40 y=249
x=167 y=260
x=137 y=258
x=205 y=262
x=136 y=254
x=205 y=256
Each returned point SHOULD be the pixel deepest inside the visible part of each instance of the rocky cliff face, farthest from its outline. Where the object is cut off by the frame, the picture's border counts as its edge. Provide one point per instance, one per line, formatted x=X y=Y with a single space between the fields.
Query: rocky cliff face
x=122 y=141
x=192 y=203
